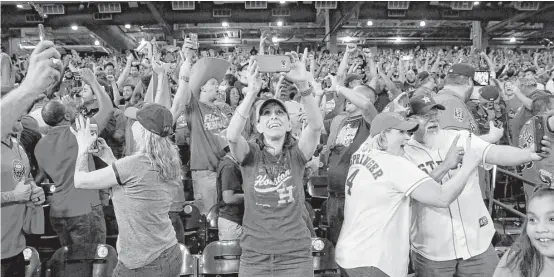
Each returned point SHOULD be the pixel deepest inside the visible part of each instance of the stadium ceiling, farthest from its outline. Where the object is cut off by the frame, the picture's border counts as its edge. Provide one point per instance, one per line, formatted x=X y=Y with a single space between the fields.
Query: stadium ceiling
x=121 y=25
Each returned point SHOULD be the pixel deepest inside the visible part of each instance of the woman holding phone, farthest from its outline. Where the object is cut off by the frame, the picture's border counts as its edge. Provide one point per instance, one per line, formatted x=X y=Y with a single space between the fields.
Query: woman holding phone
x=276 y=239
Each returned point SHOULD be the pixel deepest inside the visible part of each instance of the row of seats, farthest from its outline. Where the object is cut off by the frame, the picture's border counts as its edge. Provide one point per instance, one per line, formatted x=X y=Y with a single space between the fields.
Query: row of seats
x=218 y=258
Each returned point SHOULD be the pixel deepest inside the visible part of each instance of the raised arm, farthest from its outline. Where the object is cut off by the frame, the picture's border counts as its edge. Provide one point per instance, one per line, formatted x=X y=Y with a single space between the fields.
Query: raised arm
x=42 y=73
x=183 y=94
x=237 y=143
x=105 y=107
x=126 y=71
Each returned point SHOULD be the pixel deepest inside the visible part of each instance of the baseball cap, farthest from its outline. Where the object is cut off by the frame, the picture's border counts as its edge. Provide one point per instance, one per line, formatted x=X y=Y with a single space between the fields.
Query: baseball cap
x=462 y=69
x=489 y=93
x=206 y=69
x=29 y=122
x=422 y=104
x=351 y=77
x=153 y=117
x=391 y=120
x=422 y=76
x=269 y=101
x=530 y=69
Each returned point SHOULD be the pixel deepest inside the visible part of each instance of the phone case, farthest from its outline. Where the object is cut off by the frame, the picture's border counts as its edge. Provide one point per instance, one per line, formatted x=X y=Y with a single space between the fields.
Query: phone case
x=538 y=122
x=273 y=63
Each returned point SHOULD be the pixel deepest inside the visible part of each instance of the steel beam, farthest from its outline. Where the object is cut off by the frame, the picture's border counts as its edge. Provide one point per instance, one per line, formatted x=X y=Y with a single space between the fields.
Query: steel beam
x=159 y=18
x=518 y=17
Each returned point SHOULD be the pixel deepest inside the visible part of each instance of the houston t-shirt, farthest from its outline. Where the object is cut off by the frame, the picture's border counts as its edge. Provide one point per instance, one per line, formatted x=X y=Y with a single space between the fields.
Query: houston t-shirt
x=274 y=201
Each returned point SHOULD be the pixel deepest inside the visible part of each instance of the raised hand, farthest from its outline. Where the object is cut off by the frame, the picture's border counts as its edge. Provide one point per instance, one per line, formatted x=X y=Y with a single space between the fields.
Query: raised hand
x=254 y=79
x=455 y=154
x=104 y=152
x=44 y=68
x=88 y=76
x=471 y=159
x=546 y=146
x=495 y=133
x=82 y=133
x=298 y=72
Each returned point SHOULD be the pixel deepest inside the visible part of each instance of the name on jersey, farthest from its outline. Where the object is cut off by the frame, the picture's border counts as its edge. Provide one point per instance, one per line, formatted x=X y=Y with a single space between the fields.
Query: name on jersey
x=367 y=162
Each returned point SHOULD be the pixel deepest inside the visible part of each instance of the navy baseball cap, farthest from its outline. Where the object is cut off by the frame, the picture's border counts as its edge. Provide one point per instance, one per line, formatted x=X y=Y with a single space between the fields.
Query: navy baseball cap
x=391 y=120
x=422 y=104
x=490 y=93
x=462 y=69
x=269 y=101
x=153 y=117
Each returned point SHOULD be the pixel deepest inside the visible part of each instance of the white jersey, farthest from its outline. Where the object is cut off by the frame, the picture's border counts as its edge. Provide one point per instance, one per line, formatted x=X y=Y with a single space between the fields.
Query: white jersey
x=376 y=227
x=463 y=230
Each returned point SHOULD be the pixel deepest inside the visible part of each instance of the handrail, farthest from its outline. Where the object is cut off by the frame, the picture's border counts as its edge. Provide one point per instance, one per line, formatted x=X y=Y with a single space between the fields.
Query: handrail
x=518 y=177
x=509 y=209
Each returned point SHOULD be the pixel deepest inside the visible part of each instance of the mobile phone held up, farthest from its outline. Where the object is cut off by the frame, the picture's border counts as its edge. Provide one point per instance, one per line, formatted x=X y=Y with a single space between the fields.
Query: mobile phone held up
x=273 y=63
x=538 y=124
x=482 y=78
x=94 y=131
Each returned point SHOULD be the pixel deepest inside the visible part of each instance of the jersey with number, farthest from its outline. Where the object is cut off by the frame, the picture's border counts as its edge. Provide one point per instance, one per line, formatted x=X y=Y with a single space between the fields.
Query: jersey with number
x=465 y=228
x=375 y=232
x=541 y=172
x=456 y=115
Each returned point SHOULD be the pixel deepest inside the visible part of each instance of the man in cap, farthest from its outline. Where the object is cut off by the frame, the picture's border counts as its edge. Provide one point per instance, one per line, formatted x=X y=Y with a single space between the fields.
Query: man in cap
x=454 y=241
x=526 y=93
x=207 y=120
x=426 y=85
x=490 y=113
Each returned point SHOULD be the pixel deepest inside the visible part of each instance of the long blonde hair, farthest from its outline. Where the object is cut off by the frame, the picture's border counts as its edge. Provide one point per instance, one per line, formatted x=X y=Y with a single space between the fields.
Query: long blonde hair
x=163 y=155
x=379 y=141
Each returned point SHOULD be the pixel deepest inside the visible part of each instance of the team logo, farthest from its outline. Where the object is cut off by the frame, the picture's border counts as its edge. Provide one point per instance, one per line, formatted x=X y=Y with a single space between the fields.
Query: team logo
x=459 y=114
x=483 y=221
x=18 y=170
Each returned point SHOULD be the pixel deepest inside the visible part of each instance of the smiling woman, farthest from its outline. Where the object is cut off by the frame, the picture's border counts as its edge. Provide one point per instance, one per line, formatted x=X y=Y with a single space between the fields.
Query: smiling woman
x=274 y=228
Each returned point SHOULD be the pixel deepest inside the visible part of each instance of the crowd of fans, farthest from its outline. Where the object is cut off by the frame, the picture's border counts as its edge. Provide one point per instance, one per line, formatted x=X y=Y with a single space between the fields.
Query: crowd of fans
x=406 y=139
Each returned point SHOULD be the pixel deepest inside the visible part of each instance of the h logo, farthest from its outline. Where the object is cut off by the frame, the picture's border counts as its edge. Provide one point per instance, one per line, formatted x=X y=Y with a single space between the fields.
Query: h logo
x=285 y=195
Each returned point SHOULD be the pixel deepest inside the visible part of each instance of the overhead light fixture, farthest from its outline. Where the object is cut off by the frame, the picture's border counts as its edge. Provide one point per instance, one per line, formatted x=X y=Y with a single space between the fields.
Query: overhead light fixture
x=476 y=3
x=226 y=39
x=224 y=24
x=282 y=1
x=127 y=26
x=422 y=23
x=275 y=39
x=74 y=27
x=19 y=6
x=280 y=23
x=369 y=23
x=96 y=42
x=398 y=39
x=512 y=39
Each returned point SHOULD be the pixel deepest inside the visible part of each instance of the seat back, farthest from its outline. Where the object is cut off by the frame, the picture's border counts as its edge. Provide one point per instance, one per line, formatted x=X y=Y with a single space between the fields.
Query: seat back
x=32 y=262
x=212 y=217
x=83 y=260
x=192 y=219
x=317 y=186
x=323 y=253
x=220 y=257
x=188 y=261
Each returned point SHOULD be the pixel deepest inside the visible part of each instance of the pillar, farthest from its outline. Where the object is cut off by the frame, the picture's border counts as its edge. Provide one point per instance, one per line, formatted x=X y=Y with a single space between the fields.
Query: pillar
x=479 y=35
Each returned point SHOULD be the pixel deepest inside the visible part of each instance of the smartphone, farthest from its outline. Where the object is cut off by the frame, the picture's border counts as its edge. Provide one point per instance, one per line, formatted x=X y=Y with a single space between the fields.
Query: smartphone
x=538 y=125
x=482 y=78
x=406 y=58
x=273 y=63
x=135 y=54
x=94 y=131
x=193 y=38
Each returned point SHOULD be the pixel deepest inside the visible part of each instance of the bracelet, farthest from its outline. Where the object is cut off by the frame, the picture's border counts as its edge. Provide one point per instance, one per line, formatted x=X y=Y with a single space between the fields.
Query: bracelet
x=242 y=116
x=185 y=78
x=307 y=92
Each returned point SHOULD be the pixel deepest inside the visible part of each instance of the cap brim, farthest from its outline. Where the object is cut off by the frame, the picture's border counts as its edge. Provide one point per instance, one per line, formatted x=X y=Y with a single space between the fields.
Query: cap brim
x=131 y=112
x=269 y=101
x=430 y=107
x=407 y=126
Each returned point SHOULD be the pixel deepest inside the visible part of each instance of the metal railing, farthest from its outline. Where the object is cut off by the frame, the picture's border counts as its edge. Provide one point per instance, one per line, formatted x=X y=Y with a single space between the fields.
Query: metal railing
x=500 y=204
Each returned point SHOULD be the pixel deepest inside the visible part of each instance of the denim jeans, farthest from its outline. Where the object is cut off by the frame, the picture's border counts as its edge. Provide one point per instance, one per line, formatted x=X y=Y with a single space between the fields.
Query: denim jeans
x=482 y=265
x=295 y=264
x=13 y=266
x=88 y=228
x=228 y=230
x=168 y=264
x=205 y=191
x=177 y=223
x=335 y=216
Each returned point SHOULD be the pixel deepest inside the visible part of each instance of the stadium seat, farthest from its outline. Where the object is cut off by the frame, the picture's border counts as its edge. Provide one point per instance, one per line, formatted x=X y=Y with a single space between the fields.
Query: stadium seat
x=220 y=258
x=323 y=254
x=32 y=262
x=212 y=217
x=83 y=260
x=317 y=186
x=192 y=219
x=187 y=269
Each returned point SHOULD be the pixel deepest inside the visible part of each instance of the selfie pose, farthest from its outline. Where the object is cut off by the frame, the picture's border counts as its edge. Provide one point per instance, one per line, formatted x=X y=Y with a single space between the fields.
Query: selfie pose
x=143 y=185
x=276 y=239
